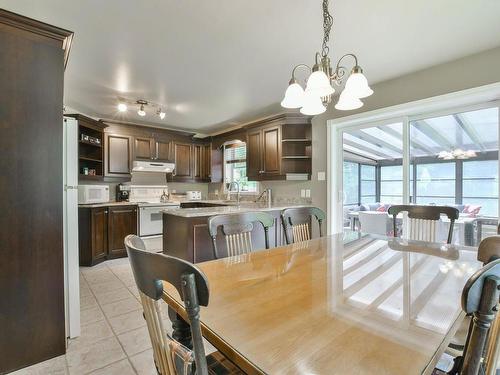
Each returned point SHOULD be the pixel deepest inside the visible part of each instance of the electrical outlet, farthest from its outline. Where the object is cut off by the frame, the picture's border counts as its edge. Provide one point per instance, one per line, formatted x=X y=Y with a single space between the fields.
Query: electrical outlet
x=303 y=193
x=308 y=193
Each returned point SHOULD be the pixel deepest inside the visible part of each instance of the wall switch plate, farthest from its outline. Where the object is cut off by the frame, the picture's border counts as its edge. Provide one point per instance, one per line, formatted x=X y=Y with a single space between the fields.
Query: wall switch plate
x=308 y=193
x=321 y=176
x=303 y=193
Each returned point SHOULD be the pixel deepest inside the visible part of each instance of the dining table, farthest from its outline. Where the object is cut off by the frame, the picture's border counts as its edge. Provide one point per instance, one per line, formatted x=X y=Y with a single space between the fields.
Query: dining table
x=347 y=303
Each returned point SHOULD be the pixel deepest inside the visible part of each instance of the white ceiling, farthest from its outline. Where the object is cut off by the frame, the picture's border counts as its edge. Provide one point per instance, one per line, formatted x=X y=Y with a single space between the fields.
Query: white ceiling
x=219 y=63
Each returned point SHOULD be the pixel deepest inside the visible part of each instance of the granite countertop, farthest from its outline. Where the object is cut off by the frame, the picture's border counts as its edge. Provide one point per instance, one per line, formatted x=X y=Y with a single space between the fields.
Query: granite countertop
x=231 y=207
x=108 y=204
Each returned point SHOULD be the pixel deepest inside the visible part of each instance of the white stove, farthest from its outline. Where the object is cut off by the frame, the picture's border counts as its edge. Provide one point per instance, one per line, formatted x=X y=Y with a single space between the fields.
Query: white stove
x=148 y=198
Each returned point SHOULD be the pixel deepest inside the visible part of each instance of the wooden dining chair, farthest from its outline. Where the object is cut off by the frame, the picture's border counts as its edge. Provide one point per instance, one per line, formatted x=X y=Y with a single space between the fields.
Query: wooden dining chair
x=170 y=356
x=421 y=223
x=480 y=298
x=237 y=230
x=298 y=220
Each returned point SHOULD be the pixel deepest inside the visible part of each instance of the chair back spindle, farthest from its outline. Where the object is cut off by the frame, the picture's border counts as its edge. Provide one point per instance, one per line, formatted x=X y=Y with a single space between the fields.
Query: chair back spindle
x=237 y=231
x=298 y=221
x=421 y=222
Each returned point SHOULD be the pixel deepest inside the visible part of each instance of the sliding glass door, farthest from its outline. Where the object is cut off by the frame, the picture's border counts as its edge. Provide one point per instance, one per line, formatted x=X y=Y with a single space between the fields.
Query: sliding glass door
x=449 y=158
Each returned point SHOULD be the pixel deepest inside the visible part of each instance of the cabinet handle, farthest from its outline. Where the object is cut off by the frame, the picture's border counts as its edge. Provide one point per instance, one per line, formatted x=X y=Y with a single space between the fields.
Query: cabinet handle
x=106 y=211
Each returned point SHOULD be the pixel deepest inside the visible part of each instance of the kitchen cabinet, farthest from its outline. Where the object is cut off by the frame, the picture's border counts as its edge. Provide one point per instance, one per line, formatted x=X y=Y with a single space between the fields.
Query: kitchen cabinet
x=144 y=148
x=122 y=221
x=183 y=161
x=118 y=155
x=101 y=231
x=207 y=163
x=162 y=148
x=264 y=153
x=198 y=162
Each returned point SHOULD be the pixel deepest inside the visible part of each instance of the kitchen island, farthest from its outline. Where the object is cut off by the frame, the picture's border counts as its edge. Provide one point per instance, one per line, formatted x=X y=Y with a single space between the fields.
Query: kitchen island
x=185 y=231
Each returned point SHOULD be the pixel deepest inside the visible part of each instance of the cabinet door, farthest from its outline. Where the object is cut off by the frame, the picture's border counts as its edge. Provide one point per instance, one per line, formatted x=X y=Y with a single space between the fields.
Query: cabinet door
x=122 y=221
x=183 y=161
x=254 y=156
x=271 y=151
x=162 y=150
x=99 y=238
x=118 y=156
x=207 y=162
x=143 y=148
x=197 y=162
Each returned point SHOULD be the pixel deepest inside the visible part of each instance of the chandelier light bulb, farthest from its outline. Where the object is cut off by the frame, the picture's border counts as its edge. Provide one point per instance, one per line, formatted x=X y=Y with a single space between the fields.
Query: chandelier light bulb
x=122 y=107
x=141 y=112
x=294 y=96
x=357 y=84
x=312 y=104
x=319 y=84
x=347 y=102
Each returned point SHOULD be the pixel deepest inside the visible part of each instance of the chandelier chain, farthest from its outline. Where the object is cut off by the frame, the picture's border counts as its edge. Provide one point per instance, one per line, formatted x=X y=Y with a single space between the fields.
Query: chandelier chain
x=327 y=26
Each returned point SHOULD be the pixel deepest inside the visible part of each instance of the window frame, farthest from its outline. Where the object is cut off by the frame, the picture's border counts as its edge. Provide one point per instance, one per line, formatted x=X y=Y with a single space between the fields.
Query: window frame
x=224 y=162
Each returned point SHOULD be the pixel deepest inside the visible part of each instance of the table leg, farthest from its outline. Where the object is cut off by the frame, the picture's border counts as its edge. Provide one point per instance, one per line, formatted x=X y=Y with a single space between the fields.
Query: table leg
x=181 y=330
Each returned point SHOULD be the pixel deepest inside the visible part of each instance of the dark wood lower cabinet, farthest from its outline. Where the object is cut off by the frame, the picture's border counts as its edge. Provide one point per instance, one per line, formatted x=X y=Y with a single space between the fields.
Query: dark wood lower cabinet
x=102 y=230
x=122 y=221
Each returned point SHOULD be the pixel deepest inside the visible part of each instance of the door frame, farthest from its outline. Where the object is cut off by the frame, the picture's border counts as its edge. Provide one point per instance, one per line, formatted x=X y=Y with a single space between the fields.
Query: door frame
x=460 y=101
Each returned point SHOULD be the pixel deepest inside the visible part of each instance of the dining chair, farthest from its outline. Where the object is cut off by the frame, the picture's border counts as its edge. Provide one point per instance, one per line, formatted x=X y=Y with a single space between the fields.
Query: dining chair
x=480 y=298
x=237 y=229
x=298 y=220
x=170 y=356
x=422 y=221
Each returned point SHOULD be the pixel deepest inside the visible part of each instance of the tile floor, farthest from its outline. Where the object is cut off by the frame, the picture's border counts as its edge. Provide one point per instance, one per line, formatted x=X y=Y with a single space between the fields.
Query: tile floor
x=114 y=338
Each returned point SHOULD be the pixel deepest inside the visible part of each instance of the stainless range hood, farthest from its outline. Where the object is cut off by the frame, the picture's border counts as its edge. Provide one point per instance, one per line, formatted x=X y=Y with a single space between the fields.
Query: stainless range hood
x=152 y=166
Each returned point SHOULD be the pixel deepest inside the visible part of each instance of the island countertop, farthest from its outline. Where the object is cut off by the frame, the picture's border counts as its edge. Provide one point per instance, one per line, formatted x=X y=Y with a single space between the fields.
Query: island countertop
x=229 y=208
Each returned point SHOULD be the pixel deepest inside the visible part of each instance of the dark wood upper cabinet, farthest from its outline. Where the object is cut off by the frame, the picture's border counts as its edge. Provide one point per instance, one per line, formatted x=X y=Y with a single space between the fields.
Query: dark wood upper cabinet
x=207 y=162
x=163 y=152
x=254 y=154
x=198 y=162
x=32 y=313
x=271 y=158
x=122 y=221
x=183 y=161
x=144 y=148
x=118 y=160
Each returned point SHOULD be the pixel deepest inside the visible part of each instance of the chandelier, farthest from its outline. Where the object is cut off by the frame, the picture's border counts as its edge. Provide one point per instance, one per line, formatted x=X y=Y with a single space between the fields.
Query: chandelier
x=457 y=154
x=319 y=90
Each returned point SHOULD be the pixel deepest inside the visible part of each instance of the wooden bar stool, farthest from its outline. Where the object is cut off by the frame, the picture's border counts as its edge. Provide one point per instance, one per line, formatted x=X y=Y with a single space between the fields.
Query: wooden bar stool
x=298 y=220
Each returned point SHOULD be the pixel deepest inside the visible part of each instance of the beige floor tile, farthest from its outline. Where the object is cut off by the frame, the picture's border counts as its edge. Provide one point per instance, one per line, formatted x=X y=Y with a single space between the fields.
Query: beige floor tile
x=100 y=277
x=94 y=269
x=128 y=280
x=127 y=322
x=54 y=366
x=107 y=286
x=88 y=301
x=93 y=357
x=144 y=363
x=85 y=291
x=122 y=367
x=133 y=289
x=135 y=341
x=90 y=334
x=91 y=315
x=121 y=307
x=105 y=298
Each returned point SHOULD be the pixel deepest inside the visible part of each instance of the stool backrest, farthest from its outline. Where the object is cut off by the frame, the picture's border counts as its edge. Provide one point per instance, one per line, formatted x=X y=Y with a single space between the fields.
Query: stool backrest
x=298 y=220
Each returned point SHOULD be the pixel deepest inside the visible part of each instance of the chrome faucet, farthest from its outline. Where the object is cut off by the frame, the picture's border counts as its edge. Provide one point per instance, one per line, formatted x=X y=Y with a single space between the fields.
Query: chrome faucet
x=229 y=190
x=268 y=193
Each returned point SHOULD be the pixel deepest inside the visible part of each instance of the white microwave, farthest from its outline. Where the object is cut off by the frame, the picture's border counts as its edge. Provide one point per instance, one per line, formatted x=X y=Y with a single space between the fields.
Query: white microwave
x=88 y=194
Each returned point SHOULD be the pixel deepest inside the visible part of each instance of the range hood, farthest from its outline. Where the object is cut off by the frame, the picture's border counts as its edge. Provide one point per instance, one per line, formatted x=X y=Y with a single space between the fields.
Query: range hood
x=152 y=166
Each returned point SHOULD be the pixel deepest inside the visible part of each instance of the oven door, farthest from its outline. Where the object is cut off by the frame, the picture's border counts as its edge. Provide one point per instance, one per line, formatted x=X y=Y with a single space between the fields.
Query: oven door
x=150 y=221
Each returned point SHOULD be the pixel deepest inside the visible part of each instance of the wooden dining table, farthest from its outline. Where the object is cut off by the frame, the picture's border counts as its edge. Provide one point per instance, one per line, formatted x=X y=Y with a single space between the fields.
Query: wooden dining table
x=348 y=303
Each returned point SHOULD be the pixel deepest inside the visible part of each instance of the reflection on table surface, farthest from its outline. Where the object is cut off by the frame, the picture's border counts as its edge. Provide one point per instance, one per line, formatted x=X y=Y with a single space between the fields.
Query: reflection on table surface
x=348 y=303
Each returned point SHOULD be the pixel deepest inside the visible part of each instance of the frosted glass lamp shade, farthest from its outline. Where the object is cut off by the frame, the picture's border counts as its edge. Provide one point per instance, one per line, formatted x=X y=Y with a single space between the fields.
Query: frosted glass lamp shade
x=294 y=96
x=357 y=85
x=319 y=84
x=312 y=104
x=347 y=102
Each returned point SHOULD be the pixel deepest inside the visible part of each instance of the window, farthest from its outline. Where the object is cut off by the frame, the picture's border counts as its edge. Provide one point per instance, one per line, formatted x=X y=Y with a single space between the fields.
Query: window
x=351 y=183
x=235 y=167
x=368 y=184
x=480 y=185
x=436 y=183
x=391 y=184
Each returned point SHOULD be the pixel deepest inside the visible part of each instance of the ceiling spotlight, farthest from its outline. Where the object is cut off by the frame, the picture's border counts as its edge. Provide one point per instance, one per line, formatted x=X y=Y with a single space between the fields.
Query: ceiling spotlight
x=161 y=114
x=122 y=107
x=141 y=112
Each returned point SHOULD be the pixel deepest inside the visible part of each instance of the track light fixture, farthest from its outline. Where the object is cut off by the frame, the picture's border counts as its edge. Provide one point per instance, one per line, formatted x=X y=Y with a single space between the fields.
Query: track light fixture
x=142 y=106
